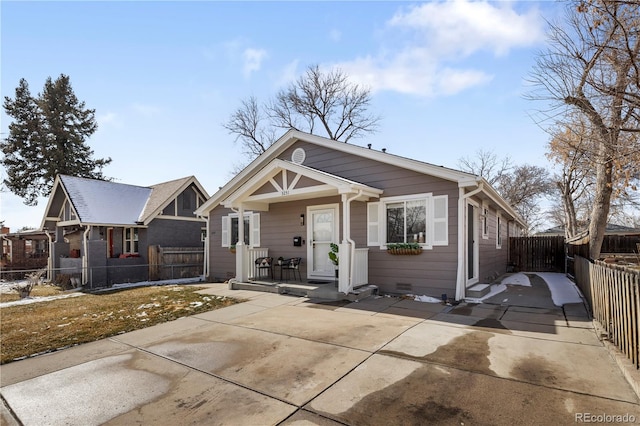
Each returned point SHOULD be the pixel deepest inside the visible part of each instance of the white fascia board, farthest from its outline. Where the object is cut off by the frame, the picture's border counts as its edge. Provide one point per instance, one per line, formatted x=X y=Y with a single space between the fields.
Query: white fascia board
x=493 y=195
x=56 y=184
x=292 y=136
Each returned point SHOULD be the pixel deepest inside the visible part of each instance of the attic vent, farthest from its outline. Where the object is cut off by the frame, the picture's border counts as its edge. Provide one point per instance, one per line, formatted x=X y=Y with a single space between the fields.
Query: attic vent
x=298 y=156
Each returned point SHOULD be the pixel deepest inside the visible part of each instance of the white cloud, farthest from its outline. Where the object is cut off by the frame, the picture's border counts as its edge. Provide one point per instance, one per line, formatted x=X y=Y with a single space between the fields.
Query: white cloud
x=108 y=119
x=145 y=110
x=288 y=74
x=252 y=60
x=464 y=27
x=437 y=39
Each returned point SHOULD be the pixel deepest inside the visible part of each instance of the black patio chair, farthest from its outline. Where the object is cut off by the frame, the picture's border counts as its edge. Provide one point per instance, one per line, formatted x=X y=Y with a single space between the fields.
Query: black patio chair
x=291 y=266
x=262 y=264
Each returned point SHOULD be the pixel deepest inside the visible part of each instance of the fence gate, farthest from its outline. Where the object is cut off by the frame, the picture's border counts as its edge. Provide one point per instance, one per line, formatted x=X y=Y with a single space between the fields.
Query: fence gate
x=168 y=263
x=537 y=254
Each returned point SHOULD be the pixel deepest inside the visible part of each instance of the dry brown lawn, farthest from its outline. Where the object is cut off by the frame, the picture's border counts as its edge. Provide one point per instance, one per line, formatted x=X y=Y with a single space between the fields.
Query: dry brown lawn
x=42 y=327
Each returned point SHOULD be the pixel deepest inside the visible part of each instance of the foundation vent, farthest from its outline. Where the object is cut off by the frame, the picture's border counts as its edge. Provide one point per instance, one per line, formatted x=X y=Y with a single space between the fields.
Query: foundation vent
x=404 y=287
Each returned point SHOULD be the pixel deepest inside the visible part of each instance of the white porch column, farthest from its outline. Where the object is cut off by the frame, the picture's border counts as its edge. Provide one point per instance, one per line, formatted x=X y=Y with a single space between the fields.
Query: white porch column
x=344 y=266
x=241 y=249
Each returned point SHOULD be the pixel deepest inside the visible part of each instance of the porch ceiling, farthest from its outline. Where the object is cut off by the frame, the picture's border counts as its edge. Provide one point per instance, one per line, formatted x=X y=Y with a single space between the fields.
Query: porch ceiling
x=282 y=181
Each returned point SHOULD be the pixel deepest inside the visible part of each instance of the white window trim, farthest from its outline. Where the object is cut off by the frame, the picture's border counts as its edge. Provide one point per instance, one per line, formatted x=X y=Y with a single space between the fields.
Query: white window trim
x=134 y=237
x=498 y=230
x=254 y=229
x=377 y=224
x=485 y=221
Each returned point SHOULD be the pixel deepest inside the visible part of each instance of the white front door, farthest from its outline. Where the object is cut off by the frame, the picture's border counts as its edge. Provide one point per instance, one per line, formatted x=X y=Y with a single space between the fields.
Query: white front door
x=322 y=230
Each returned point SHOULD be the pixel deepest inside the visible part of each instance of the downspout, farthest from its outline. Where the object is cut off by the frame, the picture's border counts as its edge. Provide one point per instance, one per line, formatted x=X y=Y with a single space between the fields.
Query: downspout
x=10 y=248
x=462 y=232
x=85 y=256
x=205 y=260
x=50 y=257
x=347 y=237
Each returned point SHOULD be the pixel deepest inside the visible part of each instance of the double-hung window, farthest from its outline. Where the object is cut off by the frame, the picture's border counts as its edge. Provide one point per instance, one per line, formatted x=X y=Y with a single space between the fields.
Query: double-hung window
x=420 y=218
x=131 y=240
x=230 y=229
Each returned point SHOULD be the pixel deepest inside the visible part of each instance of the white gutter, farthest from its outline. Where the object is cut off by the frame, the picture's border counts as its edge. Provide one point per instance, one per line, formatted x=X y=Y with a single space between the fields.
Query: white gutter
x=85 y=258
x=205 y=261
x=461 y=280
x=10 y=248
x=50 y=258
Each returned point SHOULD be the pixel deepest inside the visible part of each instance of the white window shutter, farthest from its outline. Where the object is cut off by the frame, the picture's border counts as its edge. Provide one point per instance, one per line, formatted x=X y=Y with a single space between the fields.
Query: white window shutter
x=254 y=228
x=226 y=227
x=440 y=221
x=373 y=224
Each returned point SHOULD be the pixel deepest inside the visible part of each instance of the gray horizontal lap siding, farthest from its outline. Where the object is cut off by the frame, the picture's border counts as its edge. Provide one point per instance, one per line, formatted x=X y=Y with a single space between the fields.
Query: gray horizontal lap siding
x=432 y=273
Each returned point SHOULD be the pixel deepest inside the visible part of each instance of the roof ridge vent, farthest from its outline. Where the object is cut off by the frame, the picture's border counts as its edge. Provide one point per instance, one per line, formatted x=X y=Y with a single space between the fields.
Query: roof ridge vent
x=298 y=156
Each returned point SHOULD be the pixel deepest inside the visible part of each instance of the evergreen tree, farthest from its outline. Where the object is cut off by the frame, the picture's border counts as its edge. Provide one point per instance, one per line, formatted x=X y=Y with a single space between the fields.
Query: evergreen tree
x=47 y=137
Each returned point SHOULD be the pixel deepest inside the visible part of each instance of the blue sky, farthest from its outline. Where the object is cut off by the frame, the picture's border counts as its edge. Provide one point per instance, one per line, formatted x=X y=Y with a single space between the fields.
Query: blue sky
x=448 y=78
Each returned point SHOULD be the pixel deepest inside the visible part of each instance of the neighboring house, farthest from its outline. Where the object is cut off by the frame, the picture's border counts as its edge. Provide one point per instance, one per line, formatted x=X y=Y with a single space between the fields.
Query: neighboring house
x=24 y=249
x=103 y=230
x=306 y=192
x=611 y=229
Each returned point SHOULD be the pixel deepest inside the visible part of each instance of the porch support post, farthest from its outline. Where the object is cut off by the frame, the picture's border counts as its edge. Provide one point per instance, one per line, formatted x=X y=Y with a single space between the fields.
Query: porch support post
x=345 y=250
x=241 y=249
x=462 y=256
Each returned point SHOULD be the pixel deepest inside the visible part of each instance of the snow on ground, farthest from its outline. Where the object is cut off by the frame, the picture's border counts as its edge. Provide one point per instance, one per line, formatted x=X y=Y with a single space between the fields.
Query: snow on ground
x=6 y=287
x=29 y=300
x=517 y=279
x=563 y=290
x=427 y=299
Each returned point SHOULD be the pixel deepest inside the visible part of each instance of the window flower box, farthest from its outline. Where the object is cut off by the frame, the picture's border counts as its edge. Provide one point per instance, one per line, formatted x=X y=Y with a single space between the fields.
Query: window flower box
x=404 y=248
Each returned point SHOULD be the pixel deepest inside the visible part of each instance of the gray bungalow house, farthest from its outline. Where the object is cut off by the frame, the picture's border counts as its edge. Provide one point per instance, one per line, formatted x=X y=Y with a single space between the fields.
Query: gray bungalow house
x=101 y=231
x=306 y=192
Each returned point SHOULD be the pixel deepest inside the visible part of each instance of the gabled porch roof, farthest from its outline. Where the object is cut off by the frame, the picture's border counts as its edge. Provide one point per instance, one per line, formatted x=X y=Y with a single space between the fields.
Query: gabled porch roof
x=281 y=181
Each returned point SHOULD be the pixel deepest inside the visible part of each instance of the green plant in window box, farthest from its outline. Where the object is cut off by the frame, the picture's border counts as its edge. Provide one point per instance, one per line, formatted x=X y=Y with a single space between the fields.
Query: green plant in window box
x=404 y=248
x=232 y=248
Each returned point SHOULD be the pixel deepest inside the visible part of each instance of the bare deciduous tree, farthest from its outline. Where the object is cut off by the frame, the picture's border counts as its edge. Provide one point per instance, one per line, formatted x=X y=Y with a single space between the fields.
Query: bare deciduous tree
x=592 y=66
x=319 y=102
x=486 y=164
x=521 y=186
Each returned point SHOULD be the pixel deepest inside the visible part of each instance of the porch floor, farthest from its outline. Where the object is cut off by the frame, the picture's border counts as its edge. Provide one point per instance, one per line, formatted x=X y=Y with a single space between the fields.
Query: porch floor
x=327 y=290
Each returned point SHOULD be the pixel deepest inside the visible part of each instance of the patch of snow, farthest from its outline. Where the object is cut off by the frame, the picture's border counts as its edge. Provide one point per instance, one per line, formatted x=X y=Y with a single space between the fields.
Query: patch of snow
x=517 y=279
x=29 y=300
x=427 y=299
x=495 y=289
x=563 y=290
x=195 y=304
x=162 y=282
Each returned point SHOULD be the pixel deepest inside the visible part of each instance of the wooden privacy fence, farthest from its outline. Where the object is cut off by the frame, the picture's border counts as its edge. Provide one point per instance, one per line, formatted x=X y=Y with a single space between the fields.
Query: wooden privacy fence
x=168 y=263
x=613 y=292
x=537 y=254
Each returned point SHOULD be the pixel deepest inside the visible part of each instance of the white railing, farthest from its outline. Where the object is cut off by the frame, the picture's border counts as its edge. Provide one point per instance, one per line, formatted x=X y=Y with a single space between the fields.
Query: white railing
x=253 y=254
x=360 y=267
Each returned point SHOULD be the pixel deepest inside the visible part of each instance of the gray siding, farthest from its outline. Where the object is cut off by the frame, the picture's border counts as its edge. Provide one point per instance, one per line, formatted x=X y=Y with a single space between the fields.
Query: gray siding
x=493 y=260
x=174 y=233
x=431 y=273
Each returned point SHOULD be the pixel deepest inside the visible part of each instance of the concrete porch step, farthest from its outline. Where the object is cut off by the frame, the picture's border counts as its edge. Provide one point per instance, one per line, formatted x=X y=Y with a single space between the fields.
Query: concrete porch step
x=478 y=290
x=254 y=287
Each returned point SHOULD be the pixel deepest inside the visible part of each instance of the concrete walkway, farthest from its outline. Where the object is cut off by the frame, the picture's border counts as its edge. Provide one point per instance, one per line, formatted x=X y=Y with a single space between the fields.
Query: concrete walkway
x=277 y=359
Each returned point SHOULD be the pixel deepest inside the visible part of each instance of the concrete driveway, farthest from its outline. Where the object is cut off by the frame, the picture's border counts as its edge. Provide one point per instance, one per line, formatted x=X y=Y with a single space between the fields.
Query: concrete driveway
x=277 y=359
